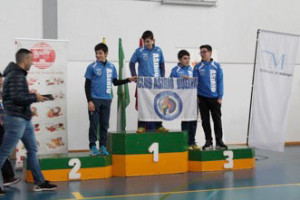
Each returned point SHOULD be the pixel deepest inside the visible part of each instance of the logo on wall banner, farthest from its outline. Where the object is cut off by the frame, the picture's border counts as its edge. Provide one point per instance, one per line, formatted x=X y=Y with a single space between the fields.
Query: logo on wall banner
x=167 y=105
x=276 y=61
x=43 y=55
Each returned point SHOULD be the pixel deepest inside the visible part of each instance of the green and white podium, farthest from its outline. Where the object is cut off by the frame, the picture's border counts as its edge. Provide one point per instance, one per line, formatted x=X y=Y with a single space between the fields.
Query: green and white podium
x=235 y=157
x=140 y=154
x=72 y=166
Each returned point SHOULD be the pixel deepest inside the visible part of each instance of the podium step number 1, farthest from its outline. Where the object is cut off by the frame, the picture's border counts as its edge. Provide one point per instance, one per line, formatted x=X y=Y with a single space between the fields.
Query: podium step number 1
x=154 y=148
x=135 y=154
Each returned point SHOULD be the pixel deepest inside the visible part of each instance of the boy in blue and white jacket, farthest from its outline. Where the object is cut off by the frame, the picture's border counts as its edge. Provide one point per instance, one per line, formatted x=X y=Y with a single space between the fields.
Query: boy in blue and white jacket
x=210 y=93
x=184 y=70
x=99 y=78
x=151 y=63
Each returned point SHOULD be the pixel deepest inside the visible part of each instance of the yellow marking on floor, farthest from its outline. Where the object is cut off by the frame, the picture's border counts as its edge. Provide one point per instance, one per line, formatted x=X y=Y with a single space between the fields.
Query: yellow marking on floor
x=187 y=191
x=77 y=195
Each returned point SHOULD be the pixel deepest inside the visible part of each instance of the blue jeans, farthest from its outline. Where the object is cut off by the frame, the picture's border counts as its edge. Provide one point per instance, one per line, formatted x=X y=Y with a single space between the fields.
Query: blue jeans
x=17 y=128
x=99 y=116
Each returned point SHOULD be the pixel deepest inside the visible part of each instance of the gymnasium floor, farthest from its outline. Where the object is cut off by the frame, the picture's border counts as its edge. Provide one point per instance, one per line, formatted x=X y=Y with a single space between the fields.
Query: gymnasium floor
x=275 y=177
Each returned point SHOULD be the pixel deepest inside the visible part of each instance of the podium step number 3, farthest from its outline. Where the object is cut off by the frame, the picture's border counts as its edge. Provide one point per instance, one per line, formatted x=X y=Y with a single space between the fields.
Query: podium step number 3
x=229 y=155
x=236 y=157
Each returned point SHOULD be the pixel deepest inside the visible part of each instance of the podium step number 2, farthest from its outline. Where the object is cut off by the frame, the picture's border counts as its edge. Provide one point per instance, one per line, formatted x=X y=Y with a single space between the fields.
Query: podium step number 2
x=73 y=166
x=74 y=175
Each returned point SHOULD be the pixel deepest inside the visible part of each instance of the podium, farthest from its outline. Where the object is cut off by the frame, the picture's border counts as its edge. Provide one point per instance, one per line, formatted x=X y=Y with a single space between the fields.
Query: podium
x=72 y=166
x=235 y=157
x=148 y=153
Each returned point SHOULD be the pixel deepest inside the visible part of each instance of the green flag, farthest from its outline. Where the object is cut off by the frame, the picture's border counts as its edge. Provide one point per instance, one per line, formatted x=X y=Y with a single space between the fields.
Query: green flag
x=123 y=92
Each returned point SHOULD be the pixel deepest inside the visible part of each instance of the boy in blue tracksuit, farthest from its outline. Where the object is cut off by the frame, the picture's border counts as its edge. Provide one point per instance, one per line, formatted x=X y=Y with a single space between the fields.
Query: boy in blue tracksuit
x=152 y=64
x=184 y=70
x=210 y=93
x=100 y=75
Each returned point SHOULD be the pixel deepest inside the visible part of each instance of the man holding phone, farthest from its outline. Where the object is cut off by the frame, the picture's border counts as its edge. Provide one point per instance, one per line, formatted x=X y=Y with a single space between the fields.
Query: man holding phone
x=49 y=97
x=17 y=117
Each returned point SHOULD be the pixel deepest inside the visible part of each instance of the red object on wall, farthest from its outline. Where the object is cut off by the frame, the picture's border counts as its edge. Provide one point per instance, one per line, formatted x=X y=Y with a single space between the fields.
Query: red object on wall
x=43 y=55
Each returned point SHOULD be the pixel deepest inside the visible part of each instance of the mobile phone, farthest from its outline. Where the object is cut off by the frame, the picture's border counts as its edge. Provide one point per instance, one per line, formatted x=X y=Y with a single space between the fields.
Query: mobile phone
x=48 y=96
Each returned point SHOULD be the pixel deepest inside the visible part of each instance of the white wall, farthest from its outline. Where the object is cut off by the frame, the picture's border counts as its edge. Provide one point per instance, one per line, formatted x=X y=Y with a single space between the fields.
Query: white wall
x=231 y=28
x=18 y=19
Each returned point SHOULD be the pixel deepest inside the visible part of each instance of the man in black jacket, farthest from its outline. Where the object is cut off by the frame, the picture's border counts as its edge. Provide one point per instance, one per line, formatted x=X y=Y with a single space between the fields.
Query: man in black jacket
x=17 y=117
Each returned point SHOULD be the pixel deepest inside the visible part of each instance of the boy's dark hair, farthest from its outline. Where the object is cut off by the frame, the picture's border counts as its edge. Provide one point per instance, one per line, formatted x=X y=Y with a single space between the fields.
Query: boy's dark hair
x=147 y=35
x=101 y=46
x=1 y=75
x=182 y=53
x=21 y=54
x=206 y=46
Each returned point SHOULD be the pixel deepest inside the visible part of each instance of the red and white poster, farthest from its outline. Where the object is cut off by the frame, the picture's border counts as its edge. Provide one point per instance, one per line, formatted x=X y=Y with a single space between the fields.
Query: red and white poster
x=47 y=75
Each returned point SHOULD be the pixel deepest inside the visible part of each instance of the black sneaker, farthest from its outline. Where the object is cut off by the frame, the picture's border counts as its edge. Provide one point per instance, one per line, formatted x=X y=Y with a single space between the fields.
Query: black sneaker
x=1 y=192
x=11 y=181
x=208 y=146
x=220 y=145
x=46 y=186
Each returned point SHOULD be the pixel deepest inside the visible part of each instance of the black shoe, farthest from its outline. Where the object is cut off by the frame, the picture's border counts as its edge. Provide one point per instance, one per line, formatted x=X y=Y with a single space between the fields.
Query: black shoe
x=46 y=186
x=11 y=181
x=220 y=145
x=208 y=146
x=1 y=192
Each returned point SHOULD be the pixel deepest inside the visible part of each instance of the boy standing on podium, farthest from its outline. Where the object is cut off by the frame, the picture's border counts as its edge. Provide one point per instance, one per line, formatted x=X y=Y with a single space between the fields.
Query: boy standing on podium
x=184 y=70
x=100 y=75
x=210 y=93
x=151 y=64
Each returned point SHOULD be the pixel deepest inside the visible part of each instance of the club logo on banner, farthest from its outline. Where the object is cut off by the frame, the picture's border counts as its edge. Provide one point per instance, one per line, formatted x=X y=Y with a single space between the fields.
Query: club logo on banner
x=168 y=105
x=167 y=99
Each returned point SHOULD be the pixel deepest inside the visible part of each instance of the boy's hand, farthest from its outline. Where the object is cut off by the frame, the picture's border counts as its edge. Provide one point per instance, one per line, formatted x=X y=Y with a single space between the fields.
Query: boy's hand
x=40 y=98
x=219 y=101
x=91 y=106
x=185 y=77
x=134 y=78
